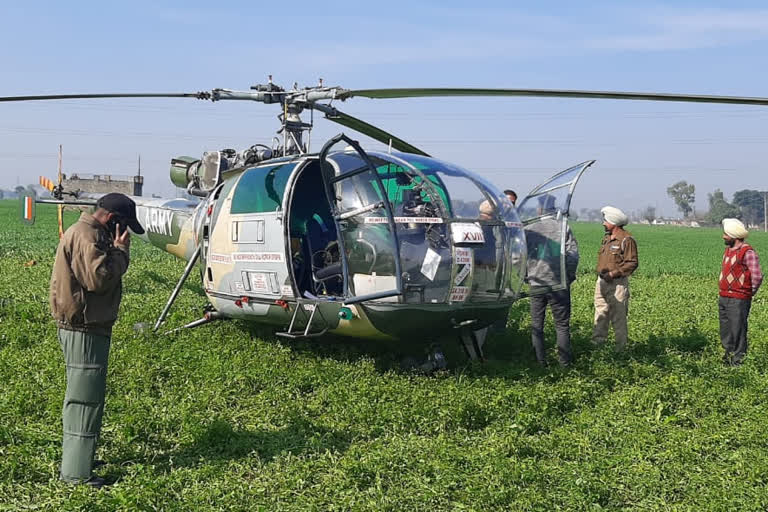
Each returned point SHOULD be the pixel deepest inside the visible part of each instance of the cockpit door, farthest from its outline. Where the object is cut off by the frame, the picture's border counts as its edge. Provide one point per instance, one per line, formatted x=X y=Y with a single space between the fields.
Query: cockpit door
x=368 y=246
x=552 y=250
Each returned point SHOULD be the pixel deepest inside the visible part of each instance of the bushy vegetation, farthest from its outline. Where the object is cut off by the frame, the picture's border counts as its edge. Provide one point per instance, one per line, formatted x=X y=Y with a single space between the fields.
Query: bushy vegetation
x=225 y=417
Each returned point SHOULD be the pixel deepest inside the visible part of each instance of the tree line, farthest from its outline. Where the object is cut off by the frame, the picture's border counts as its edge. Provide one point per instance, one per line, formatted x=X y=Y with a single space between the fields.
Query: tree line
x=747 y=205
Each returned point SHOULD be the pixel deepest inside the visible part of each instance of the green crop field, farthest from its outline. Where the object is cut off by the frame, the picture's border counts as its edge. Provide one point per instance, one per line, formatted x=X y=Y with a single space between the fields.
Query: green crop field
x=227 y=417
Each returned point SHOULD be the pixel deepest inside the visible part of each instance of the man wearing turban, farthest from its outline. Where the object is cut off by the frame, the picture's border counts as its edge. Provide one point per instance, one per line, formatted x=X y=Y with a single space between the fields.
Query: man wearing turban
x=616 y=261
x=740 y=279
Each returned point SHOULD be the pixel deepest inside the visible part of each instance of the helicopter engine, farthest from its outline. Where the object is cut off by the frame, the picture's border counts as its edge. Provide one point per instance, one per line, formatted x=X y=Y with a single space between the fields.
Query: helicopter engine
x=200 y=176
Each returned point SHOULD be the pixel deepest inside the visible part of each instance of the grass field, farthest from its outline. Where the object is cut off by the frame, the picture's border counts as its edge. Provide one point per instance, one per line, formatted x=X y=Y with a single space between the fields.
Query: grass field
x=225 y=417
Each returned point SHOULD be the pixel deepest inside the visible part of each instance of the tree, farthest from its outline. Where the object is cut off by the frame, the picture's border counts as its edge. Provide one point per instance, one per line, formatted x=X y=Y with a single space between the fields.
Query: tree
x=720 y=209
x=684 y=196
x=751 y=204
x=32 y=190
x=649 y=213
x=19 y=190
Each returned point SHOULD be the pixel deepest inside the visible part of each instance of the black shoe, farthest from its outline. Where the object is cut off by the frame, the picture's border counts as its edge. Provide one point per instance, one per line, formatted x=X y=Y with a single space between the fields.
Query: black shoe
x=96 y=482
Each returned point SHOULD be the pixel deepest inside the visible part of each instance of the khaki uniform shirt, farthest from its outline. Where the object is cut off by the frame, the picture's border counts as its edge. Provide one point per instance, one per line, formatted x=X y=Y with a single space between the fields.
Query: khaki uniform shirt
x=86 y=283
x=617 y=254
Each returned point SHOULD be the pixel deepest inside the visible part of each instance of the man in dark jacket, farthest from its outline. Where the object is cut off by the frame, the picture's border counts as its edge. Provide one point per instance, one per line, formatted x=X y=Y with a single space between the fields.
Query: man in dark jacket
x=548 y=285
x=86 y=288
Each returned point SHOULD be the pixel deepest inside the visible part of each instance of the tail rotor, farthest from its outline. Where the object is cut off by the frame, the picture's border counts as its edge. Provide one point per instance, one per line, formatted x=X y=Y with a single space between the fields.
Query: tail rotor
x=28 y=199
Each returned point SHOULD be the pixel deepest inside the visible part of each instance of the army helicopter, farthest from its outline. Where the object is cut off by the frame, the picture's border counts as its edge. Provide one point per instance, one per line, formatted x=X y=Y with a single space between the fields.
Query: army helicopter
x=380 y=245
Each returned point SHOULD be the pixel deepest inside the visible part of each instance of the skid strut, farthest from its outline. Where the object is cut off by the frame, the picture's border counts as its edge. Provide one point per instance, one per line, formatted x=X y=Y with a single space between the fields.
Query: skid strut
x=175 y=293
x=472 y=340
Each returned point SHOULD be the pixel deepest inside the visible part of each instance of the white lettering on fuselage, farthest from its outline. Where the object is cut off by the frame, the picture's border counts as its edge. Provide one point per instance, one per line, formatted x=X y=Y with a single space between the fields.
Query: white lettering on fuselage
x=159 y=221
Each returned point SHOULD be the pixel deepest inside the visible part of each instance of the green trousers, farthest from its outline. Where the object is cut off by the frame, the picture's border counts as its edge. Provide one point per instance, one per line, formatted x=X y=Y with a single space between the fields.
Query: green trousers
x=85 y=355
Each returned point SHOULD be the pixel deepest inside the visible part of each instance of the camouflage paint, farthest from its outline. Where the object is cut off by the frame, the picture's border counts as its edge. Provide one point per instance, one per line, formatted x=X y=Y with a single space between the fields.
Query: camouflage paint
x=168 y=224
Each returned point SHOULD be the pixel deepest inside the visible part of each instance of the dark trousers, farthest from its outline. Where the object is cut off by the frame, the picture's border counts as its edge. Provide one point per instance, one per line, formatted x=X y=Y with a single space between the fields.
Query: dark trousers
x=734 y=314
x=560 y=304
x=85 y=355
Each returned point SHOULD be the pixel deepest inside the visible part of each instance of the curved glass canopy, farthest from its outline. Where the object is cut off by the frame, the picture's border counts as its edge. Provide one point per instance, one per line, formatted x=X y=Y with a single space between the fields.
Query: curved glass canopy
x=430 y=201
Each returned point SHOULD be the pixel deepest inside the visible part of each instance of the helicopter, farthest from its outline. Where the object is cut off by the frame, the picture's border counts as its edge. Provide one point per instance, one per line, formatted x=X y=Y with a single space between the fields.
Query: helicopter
x=377 y=245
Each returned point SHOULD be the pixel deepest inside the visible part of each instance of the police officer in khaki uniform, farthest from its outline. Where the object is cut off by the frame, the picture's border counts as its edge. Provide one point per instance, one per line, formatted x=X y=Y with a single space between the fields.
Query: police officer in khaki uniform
x=86 y=288
x=616 y=261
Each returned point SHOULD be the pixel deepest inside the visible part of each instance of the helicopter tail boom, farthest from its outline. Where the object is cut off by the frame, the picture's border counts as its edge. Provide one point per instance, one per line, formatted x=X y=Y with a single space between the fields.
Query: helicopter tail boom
x=168 y=224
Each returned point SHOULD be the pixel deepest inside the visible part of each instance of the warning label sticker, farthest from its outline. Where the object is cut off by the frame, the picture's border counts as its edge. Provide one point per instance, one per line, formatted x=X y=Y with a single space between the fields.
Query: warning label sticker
x=459 y=294
x=259 y=282
x=462 y=256
x=258 y=257
x=405 y=220
x=220 y=258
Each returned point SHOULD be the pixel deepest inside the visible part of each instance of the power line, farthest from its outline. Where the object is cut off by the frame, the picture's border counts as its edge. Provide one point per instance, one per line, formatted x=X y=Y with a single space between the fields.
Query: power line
x=516 y=170
x=555 y=142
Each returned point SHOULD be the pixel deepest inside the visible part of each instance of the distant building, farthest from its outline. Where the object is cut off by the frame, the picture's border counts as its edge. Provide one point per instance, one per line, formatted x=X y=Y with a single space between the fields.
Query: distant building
x=104 y=183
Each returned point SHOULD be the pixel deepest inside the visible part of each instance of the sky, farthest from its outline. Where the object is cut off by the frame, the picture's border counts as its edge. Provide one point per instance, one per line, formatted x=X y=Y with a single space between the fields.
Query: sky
x=641 y=148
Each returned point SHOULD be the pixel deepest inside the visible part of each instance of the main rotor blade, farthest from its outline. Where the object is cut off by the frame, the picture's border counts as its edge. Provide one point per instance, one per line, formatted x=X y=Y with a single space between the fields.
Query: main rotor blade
x=550 y=93
x=199 y=95
x=361 y=126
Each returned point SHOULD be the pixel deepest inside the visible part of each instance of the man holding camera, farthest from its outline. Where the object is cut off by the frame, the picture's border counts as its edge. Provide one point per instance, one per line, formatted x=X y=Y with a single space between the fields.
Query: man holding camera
x=85 y=293
x=616 y=261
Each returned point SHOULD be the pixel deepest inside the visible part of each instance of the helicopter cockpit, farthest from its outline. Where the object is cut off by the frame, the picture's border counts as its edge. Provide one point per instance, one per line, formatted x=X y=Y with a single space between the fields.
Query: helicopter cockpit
x=401 y=228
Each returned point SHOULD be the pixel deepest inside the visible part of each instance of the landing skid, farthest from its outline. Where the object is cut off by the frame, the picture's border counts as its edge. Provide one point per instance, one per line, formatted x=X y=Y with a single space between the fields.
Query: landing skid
x=472 y=342
x=435 y=361
x=208 y=317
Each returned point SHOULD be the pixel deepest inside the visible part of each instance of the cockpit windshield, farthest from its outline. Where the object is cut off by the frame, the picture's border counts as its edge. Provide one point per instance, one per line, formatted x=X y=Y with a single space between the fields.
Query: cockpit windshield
x=427 y=197
x=464 y=197
x=462 y=194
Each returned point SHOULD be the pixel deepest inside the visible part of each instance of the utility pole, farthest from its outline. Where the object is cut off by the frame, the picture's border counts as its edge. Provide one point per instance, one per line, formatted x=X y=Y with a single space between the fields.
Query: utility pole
x=765 y=210
x=61 y=207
